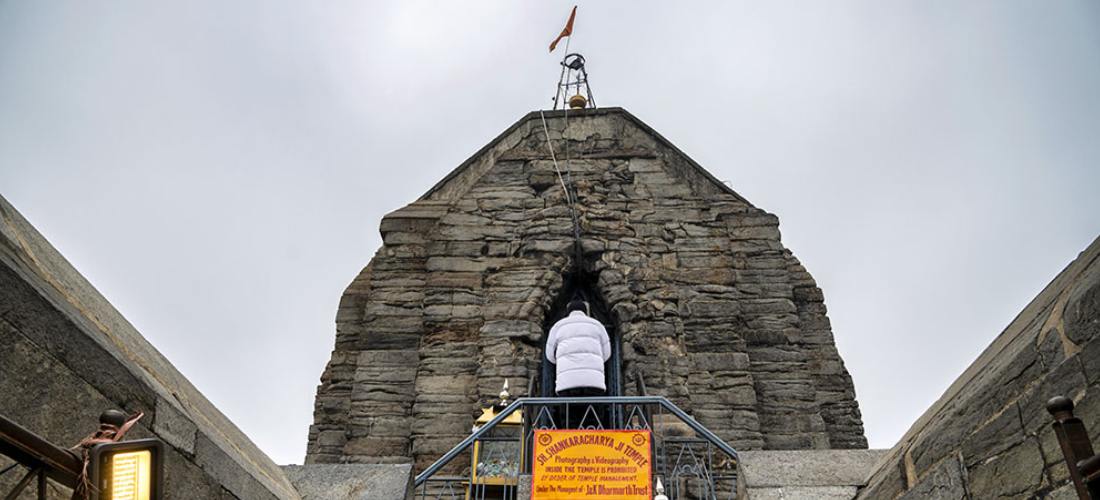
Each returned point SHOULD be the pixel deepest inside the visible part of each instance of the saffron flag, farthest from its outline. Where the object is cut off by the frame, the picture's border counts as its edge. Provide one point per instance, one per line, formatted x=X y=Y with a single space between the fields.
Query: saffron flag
x=565 y=32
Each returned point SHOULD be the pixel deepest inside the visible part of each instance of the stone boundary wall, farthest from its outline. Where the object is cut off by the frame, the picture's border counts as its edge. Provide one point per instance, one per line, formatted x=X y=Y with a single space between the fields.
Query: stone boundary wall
x=989 y=435
x=66 y=355
x=804 y=474
x=352 y=481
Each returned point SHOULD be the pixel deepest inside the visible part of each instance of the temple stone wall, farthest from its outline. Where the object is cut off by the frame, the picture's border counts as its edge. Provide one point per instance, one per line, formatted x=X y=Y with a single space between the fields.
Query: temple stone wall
x=712 y=310
x=66 y=356
x=989 y=435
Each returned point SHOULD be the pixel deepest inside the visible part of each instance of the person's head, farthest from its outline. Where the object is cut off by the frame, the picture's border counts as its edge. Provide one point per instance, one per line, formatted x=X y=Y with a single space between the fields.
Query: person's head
x=577 y=305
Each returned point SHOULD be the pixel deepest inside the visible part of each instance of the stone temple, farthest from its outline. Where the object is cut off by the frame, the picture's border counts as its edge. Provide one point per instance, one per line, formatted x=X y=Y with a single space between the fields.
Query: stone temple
x=701 y=299
x=703 y=303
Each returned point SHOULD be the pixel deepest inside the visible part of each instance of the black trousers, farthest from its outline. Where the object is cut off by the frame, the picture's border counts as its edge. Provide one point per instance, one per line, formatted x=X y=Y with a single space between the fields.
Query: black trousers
x=582 y=392
x=586 y=416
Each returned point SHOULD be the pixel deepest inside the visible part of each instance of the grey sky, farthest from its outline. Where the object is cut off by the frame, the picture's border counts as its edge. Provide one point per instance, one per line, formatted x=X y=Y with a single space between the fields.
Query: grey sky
x=218 y=169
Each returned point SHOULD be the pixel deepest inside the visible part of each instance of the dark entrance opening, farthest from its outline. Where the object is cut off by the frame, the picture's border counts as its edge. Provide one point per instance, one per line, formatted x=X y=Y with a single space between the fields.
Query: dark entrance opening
x=583 y=285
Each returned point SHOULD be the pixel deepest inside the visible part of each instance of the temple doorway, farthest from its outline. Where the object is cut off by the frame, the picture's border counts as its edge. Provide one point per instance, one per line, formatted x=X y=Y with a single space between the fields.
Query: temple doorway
x=583 y=285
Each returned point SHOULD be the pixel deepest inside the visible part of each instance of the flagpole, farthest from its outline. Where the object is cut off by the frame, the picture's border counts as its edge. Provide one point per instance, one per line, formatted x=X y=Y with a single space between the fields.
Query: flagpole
x=567 y=71
x=561 y=78
x=568 y=39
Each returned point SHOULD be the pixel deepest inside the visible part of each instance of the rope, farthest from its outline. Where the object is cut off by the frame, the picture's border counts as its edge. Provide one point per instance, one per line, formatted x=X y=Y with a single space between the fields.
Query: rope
x=569 y=198
x=573 y=203
x=560 y=92
x=553 y=158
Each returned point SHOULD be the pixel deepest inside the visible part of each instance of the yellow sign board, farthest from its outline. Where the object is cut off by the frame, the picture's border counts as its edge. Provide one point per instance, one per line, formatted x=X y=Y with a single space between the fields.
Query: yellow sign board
x=579 y=464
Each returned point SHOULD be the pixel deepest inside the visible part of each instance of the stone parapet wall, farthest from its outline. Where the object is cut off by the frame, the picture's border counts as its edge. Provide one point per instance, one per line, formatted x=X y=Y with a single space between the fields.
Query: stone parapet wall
x=66 y=355
x=804 y=474
x=711 y=309
x=989 y=435
x=352 y=481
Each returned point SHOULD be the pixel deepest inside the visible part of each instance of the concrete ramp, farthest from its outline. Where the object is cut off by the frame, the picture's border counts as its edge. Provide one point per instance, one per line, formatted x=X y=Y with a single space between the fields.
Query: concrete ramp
x=804 y=474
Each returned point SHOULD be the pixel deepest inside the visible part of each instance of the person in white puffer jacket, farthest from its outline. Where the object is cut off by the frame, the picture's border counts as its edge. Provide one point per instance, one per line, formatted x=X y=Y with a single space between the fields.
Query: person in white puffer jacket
x=578 y=346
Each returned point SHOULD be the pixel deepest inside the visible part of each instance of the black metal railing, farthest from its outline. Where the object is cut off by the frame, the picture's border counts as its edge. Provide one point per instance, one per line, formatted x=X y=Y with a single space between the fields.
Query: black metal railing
x=494 y=461
x=1082 y=464
x=41 y=459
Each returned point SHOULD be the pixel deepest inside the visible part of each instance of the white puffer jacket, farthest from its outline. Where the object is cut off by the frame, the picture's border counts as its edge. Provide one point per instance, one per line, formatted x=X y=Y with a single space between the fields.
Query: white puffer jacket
x=579 y=346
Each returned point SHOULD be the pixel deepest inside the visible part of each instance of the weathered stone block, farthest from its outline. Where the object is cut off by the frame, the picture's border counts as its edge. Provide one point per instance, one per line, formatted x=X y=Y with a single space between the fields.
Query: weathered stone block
x=174 y=427
x=946 y=481
x=1014 y=473
x=377 y=446
x=720 y=361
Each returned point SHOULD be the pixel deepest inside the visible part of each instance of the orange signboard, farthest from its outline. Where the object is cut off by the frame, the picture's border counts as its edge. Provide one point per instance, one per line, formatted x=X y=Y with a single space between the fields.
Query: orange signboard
x=578 y=464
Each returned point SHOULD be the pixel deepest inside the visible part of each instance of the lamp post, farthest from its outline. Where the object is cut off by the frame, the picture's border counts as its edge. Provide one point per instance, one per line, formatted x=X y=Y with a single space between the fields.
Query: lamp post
x=121 y=470
x=128 y=470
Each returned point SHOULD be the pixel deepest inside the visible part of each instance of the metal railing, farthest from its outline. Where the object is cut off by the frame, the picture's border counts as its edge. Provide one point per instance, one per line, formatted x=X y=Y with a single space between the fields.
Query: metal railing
x=1081 y=462
x=42 y=459
x=691 y=461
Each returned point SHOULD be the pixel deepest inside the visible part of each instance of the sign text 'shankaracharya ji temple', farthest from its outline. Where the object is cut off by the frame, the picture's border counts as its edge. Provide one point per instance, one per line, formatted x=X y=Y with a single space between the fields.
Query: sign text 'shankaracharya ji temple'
x=702 y=302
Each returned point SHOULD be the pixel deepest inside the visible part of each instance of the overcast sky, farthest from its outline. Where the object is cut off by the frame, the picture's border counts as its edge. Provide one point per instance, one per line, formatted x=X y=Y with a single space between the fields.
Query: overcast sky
x=218 y=169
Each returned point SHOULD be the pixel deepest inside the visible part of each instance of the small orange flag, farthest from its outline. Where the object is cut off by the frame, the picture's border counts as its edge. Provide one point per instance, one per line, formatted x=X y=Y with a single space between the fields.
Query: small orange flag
x=565 y=32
